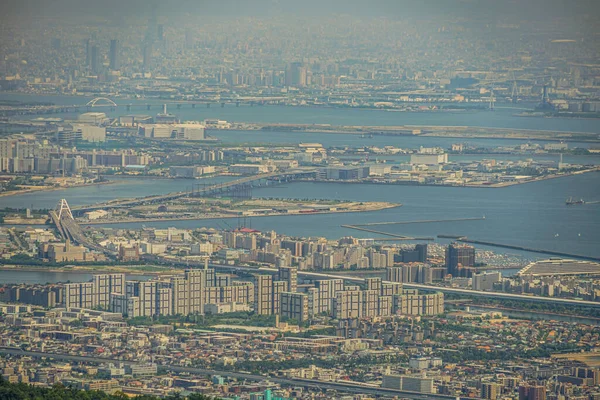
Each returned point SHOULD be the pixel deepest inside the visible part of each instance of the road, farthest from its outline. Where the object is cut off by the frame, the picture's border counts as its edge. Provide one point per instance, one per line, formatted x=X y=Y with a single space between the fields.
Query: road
x=321 y=275
x=202 y=191
x=307 y=383
x=497 y=295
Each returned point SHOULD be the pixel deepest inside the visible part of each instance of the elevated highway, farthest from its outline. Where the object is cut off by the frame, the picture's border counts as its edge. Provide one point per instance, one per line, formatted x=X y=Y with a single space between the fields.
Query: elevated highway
x=466 y=292
x=219 y=188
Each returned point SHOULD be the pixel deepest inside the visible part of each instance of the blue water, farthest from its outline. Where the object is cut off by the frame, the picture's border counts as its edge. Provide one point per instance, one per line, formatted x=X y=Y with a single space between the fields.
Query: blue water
x=532 y=215
x=529 y=215
x=501 y=118
x=356 y=141
x=119 y=189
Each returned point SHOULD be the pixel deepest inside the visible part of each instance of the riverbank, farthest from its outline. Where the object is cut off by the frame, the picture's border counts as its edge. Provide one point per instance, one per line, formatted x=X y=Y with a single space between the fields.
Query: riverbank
x=51 y=188
x=468 y=185
x=449 y=131
x=373 y=207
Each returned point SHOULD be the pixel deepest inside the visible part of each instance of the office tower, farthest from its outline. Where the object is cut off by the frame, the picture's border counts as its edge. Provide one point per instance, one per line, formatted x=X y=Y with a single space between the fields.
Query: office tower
x=294 y=306
x=161 y=32
x=421 y=249
x=147 y=56
x=527 y=392
x=115 y=63
x=88 y=52
x=418 y=254
x=348 y=304
x=278 y=288
x=289 y=275
x=94 y=59
x=460 y=259
x=263 y=294
x=295 y=74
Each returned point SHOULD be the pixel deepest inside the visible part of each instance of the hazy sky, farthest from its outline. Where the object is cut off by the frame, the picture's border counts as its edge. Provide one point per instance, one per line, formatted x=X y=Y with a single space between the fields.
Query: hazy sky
x=537 y=9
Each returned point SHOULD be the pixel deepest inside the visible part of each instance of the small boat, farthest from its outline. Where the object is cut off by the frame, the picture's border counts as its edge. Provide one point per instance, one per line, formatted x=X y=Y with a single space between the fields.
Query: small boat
x=570 y=201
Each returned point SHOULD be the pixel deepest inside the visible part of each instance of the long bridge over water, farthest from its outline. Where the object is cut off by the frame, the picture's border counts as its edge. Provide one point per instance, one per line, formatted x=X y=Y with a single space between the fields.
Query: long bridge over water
x=219 y=189
x=103 y=103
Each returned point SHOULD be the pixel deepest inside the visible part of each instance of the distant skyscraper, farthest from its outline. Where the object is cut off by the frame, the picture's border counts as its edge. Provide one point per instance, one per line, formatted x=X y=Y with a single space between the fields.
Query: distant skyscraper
x=460 y=259
x=147 y=50
x=88 y=52
x=114 y=55
x=295 y=74
x=95 y=59
x=161 y=32
x=56 y=43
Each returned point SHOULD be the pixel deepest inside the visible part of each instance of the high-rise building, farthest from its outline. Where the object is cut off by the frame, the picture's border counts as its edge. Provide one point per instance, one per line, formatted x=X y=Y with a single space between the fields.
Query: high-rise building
x=490 y=390
x=460 y=259
x=326 y=293
x=527 y=392
x=79 y=295
x=278 y=288
x=418 y=254
x=88 y=52
x=105 y=285
x=115 y=62
x=410 y=273
x=289 y=275
x=263 y=294
x=294 y=306
x=94 y=59
x=419 y=304
x=147 y=56
x=295 y=74
x=348 y=304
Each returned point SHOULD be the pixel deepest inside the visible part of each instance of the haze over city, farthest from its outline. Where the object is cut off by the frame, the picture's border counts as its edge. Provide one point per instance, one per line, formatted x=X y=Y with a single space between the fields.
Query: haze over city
x=276 y=199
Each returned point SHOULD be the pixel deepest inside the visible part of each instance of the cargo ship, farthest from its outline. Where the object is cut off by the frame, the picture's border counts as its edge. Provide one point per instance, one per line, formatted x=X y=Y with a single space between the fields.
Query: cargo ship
x=571 y=202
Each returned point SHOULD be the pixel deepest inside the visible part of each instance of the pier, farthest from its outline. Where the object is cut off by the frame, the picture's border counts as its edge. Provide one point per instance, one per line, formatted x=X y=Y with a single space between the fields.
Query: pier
x=396 y=236
x=423 y=221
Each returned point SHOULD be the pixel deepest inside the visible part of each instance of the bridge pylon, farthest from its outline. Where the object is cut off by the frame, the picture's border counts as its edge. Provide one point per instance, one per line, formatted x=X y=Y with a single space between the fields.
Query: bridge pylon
x=63 y=210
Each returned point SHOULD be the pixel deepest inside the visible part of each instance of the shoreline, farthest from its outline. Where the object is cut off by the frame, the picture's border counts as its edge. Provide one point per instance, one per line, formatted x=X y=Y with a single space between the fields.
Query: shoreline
x=492 y=186
x=142 y=220
x=51 y=189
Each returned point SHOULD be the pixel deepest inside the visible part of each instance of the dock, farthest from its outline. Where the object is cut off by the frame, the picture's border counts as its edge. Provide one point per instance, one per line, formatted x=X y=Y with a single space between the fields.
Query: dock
x=394 y=235
x=423 y=221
